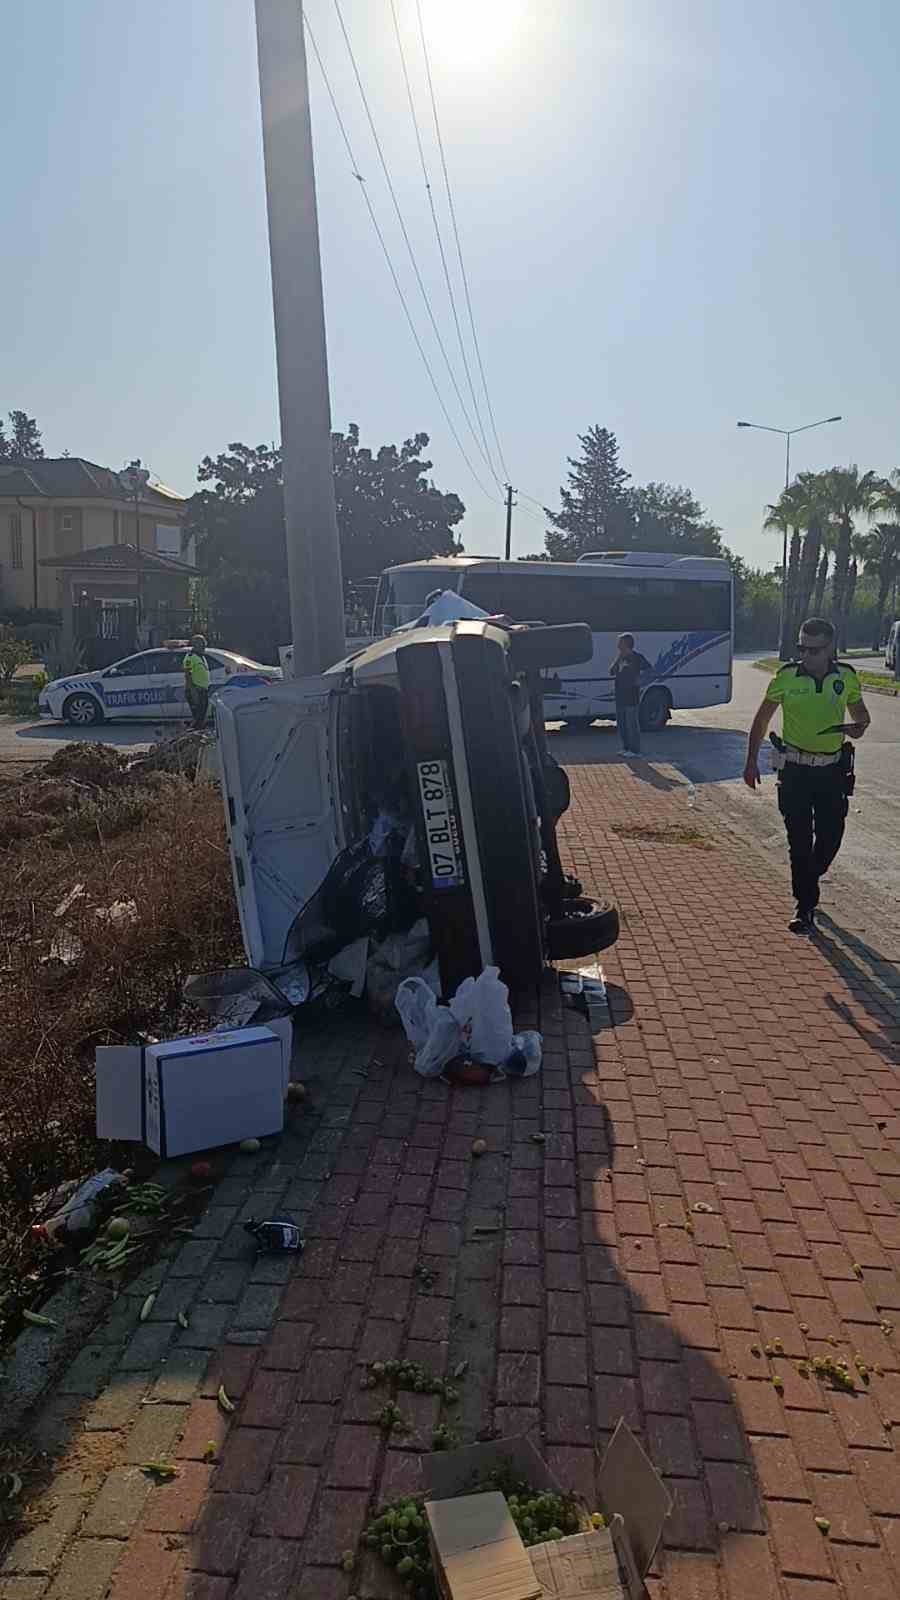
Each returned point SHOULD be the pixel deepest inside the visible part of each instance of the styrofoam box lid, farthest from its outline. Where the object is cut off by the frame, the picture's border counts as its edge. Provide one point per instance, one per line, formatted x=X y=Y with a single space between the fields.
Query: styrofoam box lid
x=236 y=1038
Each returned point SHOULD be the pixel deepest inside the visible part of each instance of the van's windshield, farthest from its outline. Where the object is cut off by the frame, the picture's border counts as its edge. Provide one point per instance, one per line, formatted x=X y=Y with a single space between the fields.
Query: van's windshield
x=402 y=595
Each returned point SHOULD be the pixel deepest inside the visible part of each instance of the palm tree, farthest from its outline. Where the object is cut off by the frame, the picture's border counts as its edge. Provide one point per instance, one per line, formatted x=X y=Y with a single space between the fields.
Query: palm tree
x=848 y=492
x=885 y=554
x=809 y=484
x=827 y=543
x=880 y=552
x=791 y=514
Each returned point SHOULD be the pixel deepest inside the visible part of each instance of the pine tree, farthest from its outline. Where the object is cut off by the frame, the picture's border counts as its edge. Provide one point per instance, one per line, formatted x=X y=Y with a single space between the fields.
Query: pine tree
x=594 y=508
x=24 y=443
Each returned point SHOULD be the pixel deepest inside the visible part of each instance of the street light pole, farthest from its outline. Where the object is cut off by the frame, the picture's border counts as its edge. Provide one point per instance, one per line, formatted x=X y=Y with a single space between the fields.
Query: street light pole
x=787 y=434
x=135 y=478
x=313 y=550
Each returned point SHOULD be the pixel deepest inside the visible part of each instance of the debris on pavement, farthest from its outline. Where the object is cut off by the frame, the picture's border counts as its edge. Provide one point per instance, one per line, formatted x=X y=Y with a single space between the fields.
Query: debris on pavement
x=476 y=1028
x=276 y=1234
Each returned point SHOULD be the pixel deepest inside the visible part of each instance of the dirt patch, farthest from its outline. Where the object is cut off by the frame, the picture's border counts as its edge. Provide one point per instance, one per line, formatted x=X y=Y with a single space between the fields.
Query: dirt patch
x=114 y=886
x=669 y=833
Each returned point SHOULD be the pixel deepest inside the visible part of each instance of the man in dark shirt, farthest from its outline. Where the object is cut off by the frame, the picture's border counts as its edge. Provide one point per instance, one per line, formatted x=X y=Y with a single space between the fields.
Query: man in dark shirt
x=625 y=671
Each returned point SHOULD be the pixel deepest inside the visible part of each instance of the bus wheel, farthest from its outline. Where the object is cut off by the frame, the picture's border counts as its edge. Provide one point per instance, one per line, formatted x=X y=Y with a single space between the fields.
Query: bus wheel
x=656 y=709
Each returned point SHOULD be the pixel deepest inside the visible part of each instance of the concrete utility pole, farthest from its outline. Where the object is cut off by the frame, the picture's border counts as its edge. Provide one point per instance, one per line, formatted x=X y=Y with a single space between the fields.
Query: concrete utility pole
x=510 y=491
x=313 y=550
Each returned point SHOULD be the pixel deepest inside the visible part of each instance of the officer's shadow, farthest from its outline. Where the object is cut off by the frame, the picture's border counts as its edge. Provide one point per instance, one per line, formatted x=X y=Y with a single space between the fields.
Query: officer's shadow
x=874 y=981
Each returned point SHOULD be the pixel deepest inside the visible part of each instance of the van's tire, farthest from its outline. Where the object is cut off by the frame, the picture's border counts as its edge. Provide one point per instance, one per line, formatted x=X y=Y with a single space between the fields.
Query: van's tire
x=588 y=926
x=655 y=710
x=579 y=724
x=82 y=710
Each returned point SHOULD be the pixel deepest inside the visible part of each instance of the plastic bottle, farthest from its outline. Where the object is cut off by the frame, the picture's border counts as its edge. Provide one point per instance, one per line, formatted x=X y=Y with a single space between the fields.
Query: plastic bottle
x=276 y=1234
x=79 y=1213
x=526 y=1055
x=691 y=797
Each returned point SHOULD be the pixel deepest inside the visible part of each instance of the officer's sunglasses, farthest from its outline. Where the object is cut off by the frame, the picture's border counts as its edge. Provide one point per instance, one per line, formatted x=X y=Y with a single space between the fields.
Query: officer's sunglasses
x=811 y=649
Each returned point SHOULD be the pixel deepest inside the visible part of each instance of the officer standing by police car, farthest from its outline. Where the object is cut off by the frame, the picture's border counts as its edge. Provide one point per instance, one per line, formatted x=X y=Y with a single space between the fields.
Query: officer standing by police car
x=822 y=707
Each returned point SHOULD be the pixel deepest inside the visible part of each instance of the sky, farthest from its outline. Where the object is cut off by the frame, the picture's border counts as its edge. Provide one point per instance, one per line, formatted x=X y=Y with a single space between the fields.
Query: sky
x=672 y=217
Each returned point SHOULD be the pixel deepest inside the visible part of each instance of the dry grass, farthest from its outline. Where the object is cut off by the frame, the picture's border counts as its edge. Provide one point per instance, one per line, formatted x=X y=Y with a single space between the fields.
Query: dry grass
x=72 y=980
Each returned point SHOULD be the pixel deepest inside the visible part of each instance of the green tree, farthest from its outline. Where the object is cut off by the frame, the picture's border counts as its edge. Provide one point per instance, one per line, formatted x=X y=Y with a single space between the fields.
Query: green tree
x=849 y=492
x=786 y=517
x=388 y=511
x=667 y=517
x=593 y=512
x=23 y=442
x=600 y=510
x=388 y=508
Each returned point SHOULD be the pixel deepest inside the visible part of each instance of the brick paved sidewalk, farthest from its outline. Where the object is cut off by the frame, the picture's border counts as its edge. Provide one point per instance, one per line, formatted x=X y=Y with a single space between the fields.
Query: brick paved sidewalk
x=744 y=1072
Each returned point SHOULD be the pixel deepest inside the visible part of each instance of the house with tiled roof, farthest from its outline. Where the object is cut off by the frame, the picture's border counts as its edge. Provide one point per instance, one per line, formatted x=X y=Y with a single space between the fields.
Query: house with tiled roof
x=54 y=509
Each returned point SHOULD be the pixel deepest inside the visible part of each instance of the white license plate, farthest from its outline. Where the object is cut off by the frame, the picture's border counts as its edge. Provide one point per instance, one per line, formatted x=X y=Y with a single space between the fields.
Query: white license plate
x=441 y=827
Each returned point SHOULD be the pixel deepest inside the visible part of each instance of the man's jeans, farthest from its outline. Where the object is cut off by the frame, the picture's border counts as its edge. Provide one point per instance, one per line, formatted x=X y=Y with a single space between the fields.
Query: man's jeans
x=629 y=724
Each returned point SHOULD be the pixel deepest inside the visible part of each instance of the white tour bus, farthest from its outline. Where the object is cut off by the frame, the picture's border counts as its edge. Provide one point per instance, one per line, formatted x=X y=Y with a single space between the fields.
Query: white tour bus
x=679 y=608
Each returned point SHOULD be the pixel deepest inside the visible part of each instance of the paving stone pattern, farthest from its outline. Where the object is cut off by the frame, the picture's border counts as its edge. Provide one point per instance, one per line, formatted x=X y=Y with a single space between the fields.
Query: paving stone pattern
x=743 y=1072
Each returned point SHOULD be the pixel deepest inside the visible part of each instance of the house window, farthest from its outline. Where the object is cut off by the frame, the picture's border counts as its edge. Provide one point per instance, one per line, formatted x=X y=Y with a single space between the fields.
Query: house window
x=66 y=523
x=168 y=540
x=15 y=540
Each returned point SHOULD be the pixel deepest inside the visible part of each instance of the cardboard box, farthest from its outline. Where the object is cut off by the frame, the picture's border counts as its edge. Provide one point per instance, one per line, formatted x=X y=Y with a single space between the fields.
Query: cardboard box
x=582 y=1567
x=477 y=1551
x=632 y=1497
x=195 y=1093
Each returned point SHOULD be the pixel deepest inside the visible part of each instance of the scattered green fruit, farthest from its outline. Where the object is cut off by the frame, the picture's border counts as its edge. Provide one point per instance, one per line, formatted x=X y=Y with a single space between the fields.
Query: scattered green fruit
x=119 y=1228
x=37 y=1321
x=250 y=1147
x=479 y=1147
x=823 y=1525
x=225 y=1404
x=147 y=1307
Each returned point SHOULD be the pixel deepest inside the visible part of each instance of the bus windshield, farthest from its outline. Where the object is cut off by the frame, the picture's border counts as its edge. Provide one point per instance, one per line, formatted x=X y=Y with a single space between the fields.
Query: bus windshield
x=402 y=595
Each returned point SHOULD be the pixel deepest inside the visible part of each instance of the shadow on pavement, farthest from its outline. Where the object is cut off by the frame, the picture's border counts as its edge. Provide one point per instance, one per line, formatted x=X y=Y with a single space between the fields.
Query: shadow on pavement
x=704 y=755
x=872 y=979
x=119 y=734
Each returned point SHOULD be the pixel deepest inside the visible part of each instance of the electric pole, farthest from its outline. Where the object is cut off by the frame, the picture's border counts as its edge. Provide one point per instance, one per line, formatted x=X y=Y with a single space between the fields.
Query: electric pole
x=510 y=491
x=313 y=549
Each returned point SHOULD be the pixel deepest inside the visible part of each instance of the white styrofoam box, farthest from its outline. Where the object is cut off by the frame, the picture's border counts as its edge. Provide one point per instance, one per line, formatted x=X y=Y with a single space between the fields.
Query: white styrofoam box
x=120 y=1091
x=194 y=1093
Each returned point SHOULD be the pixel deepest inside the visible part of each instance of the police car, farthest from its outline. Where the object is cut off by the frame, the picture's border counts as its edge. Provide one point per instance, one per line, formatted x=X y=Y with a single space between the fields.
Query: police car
x=148 y=685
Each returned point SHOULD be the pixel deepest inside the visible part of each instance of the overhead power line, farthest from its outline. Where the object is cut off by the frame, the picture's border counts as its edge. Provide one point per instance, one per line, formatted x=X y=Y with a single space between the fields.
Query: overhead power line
x=406 y=238
x=440 y=244
x=390 y=264
x=462 y=265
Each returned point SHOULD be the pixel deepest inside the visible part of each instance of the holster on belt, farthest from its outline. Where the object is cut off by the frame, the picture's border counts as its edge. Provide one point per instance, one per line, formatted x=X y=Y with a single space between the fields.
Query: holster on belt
x=847 y=766
x=778 y=758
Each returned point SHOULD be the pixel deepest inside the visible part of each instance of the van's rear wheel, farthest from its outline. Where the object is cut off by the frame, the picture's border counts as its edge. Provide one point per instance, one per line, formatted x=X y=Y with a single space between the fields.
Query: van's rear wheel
x=655 y=711
x=579 y=724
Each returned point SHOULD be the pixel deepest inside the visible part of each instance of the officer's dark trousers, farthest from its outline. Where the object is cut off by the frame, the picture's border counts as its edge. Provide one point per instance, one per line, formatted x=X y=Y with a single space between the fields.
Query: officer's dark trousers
x=813 y=803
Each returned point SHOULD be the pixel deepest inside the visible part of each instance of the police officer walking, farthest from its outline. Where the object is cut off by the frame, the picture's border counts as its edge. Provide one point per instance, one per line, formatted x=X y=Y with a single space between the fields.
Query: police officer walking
x=196 y=681
x=822 y=706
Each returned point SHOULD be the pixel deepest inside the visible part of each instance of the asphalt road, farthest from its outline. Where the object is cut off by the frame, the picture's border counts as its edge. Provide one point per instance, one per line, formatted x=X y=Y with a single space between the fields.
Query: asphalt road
x=708 y=750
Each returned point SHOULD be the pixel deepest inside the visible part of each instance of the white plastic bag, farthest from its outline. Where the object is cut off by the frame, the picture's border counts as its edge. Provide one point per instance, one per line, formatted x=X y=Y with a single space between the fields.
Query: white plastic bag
x=481 y=1008
x=431 y=1029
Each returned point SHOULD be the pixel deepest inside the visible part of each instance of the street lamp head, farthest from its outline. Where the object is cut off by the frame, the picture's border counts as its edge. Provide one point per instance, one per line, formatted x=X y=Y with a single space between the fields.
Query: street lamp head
x=834 y=419
x=745 y=424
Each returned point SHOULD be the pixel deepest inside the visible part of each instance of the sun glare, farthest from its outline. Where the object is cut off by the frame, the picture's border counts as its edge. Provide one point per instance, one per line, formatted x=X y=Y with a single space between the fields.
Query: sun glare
x=469 y=31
